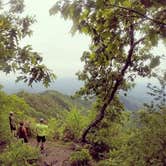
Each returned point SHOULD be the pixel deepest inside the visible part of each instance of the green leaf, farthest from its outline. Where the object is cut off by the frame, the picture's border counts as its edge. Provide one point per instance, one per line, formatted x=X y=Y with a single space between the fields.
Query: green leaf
x=127 y=3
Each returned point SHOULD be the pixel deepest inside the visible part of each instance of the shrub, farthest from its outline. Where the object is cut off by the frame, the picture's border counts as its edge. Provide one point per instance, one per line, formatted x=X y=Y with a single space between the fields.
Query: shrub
x=145 y=142
x=54 y=129
x=19 y=154
x=74 y=123
x=99 y=150
x=104 y=163
x=80 y=158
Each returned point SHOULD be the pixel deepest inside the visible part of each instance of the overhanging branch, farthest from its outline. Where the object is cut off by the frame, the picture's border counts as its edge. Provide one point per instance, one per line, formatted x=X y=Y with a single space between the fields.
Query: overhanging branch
x=138 y=13
x=138 y=41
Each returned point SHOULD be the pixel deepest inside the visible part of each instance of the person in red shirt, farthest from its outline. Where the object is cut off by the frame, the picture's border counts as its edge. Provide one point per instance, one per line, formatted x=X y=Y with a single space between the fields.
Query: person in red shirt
x=22 y=132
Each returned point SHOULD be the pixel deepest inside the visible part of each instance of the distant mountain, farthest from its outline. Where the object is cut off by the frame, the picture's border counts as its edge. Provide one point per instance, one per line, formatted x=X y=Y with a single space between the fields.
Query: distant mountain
x=68 y=86
x=64 y=85
x=136 y=97
x=131 y=103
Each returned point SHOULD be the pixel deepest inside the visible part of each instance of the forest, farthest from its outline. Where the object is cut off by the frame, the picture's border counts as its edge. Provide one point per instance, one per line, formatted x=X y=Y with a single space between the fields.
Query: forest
x=98 y=125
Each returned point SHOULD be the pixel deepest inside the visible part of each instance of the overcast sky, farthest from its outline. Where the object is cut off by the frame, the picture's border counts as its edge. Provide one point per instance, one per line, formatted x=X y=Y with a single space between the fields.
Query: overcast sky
x=51 y=37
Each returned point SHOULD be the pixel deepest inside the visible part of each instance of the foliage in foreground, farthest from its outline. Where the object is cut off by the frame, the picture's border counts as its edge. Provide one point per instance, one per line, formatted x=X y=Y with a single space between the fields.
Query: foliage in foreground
x=129 y=138
x=19 y=154
x=144 y=143
x=80 y=158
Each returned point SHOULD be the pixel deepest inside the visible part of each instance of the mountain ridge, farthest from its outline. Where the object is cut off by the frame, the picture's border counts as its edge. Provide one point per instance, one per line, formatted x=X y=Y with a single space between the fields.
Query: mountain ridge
x=68 y=86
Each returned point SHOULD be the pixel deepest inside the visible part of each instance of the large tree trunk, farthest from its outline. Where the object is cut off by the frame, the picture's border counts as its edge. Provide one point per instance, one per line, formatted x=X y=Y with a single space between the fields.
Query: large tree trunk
x=101 y=114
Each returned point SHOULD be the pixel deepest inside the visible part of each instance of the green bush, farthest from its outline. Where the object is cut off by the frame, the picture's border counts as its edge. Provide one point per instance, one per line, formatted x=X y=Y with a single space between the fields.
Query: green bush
x=104 y=163
x=80 y=158
x=74 y=123
x=99 y=151
x=19 y=154
x=54 y=129
x=145 y=143
x=107 y=135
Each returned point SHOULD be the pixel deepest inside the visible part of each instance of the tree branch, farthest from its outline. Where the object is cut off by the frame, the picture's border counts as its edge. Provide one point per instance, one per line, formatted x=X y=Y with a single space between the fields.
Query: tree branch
x=137 y=12
x=138 y=41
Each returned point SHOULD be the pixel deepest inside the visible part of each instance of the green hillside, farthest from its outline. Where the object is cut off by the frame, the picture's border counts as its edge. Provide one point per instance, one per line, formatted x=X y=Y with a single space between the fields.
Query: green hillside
x=52 y=103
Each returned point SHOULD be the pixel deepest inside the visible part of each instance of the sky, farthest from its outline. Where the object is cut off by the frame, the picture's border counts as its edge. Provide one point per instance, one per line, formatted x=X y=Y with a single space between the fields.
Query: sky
x=52 y=38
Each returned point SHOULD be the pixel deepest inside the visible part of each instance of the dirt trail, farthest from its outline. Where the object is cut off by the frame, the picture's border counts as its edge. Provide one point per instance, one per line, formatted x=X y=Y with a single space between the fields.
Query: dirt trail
x=55 y=154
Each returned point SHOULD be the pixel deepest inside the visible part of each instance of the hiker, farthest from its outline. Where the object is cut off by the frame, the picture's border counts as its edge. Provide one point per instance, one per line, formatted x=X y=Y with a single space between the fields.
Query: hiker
x=28 y=129
x=22 y=132
x=42 y=131
x=12 y=124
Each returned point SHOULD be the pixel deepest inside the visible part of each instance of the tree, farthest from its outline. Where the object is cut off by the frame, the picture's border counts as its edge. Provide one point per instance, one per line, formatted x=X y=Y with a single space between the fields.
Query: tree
x=122 y=32
x=13 y=57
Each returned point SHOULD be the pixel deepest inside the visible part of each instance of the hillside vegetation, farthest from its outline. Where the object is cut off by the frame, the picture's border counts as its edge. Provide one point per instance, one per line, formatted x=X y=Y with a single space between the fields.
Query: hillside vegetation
x=118 y=140
x=53 y=103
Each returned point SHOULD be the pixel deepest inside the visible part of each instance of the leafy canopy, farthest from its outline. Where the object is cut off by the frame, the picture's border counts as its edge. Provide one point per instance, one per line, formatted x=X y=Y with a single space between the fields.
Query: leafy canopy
x=108 y=23
x=13 y=28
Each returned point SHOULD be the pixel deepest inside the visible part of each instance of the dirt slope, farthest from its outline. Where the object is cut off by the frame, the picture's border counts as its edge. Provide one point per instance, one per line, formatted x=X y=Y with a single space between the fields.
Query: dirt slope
x=55 y=154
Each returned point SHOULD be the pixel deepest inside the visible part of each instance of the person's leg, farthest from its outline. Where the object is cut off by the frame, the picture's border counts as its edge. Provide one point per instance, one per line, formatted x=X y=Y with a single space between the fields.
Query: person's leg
x=42 y=146
x=15 y=133
x=13 y=130
x=22 y=140
x=43 y=142
x=25 y=140
x=38 y=141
